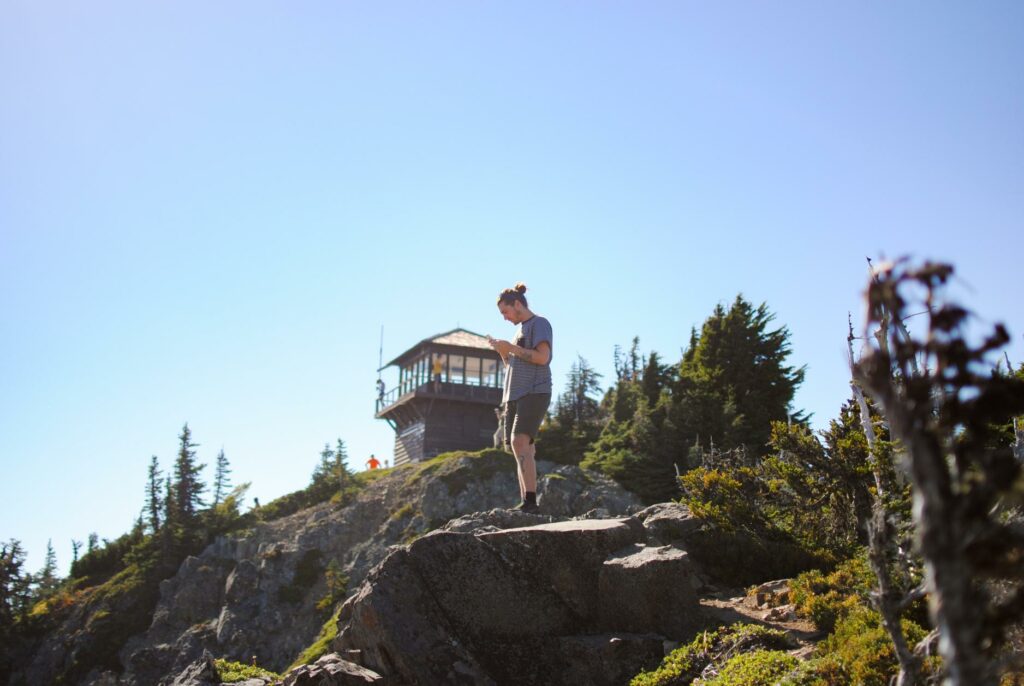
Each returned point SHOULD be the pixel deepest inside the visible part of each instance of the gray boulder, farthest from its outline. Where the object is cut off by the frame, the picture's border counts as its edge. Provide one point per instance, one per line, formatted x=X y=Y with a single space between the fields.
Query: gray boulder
x=202 y=672
x=332 y=670
x=721 y=557
x=650 y=589
x=534 y=605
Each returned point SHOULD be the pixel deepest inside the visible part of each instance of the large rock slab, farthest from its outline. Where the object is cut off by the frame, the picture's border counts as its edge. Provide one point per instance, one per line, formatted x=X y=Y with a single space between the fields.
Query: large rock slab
x=650 y=589
x=724 y=558
x=202 y=672
x=332 y=670
x=567 y=556
x=532 y=605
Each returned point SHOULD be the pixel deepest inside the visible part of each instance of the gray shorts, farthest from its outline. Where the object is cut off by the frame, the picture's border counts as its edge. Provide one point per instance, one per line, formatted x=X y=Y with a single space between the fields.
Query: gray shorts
x=524 y=416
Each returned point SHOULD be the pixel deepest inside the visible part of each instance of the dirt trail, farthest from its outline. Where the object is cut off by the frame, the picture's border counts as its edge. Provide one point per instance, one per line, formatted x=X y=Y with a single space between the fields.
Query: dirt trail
x=730 y=607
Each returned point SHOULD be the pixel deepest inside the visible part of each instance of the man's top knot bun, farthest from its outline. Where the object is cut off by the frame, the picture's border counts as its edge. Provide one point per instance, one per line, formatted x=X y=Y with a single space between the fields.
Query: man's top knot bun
x=510 y=296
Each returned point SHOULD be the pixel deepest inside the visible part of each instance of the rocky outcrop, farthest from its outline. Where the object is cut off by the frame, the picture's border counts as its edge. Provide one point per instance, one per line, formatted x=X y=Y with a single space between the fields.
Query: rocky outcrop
x=569 y=602
x=447 y=585
x=256 y=595
x=202 y=672
x=727 y=558
x=502 y=597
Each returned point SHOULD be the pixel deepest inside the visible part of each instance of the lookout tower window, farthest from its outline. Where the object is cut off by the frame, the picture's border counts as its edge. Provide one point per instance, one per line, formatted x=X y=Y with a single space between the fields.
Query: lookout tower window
x=490 y=373
x=473 y=371
x=456 y=369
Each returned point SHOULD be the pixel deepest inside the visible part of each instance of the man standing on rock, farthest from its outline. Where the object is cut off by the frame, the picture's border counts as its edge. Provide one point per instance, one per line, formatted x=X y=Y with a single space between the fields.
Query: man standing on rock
x=527 y=385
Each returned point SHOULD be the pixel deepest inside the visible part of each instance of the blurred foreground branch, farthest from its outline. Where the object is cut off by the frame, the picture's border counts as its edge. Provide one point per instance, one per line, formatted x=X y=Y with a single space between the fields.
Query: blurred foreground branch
x=961 y=477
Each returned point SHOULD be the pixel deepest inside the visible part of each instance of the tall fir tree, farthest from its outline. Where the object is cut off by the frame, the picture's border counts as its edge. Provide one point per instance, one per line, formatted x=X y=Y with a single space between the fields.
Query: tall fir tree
x=47 y=580
x=221 y=480
x=182 y=526
x=740 y=363
x=655 y=377
x=323 y=469
x=576 y=419
x=331 y=474
x=154 y=500
x=14 y=585
x=341 y=469
x=577 y=406
x=188 y=487
x=167 y=532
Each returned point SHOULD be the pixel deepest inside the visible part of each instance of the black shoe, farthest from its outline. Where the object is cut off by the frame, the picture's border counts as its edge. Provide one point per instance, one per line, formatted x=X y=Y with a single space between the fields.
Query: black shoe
x=530 y=508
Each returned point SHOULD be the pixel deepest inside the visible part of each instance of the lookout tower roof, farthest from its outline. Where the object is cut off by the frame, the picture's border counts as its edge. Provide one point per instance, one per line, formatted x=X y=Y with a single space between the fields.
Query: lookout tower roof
x=449 y=341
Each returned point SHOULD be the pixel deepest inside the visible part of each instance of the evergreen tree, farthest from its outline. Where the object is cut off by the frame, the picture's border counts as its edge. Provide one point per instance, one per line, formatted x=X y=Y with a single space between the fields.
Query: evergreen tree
x=14 y=585
x=576 y=406
x=323 y=469
x=188 y=487
x=154 y=501
x=221 y=482
x=76 y=547
x=47 y=580
x=740 y=362
x=655 y=377
x=93 y=543
x=730 y=385
x=577 y=418
x=183 y=528
x=331 y=474
x=340 y=467
x=167 y=532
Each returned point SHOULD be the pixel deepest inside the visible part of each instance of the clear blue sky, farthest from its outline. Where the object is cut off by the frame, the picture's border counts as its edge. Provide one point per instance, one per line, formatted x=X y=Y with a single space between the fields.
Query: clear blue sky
x=208 y=210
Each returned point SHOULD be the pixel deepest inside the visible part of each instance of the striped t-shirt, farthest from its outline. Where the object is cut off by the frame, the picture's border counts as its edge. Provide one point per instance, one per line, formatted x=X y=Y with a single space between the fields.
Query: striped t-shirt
x=522 y=377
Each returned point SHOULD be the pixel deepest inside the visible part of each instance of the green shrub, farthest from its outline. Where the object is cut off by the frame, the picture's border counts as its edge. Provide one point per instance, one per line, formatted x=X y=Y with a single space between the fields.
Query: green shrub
x=406 y=510
x=116 y=610
x=759 y=668
x=337 y=586
x=230 y=672
x=819 y=671
x=725 y=497
x=320 y=646
x=684 y=664
x=98 y=565
x=863 y=648
x=827 y=598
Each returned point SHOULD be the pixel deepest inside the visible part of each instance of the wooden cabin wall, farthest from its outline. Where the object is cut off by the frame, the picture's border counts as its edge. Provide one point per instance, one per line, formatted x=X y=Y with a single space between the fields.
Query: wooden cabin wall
x=458 y=426
x=409 y=444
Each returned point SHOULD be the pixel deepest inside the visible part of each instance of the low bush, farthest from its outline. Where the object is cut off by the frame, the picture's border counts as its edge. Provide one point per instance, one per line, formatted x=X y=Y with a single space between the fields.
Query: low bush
x=827 y=598
x=863 y=648
x=759 y=668
x=321 y=645
x=230 y=672
x=683 y=665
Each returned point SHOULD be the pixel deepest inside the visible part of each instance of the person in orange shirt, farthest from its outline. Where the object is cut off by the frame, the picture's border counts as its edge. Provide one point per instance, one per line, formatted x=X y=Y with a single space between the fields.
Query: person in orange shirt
x=373 y=463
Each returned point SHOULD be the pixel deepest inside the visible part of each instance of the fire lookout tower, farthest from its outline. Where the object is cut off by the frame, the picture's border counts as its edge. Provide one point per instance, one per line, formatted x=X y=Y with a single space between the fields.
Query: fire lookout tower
x=453 y=410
